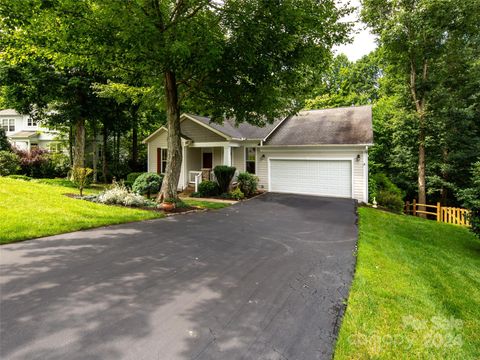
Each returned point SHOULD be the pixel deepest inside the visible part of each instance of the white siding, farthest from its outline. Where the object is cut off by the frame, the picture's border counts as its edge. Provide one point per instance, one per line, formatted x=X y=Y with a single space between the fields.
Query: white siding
x=159 y=141
x=359 y=185
x=238 y=158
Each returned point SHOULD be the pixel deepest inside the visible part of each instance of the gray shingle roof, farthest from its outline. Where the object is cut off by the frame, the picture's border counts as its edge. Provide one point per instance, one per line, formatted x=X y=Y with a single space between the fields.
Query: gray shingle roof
x=240 y=131
x=348 y=125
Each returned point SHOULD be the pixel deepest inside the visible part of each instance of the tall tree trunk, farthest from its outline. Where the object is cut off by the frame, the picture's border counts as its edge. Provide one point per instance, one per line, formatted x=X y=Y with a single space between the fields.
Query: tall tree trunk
x=134 y=158
x=70 y=144
x=419 y=101
x=79 y=146
x=94 y=150
x=174 y=142
x=105 y=155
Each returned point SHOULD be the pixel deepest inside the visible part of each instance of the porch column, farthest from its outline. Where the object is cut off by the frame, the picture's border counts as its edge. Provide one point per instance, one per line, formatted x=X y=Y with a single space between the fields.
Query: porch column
x=227 y=155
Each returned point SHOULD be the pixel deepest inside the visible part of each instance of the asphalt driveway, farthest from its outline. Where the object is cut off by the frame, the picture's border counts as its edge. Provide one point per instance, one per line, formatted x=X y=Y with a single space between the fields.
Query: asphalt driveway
x=263 y=279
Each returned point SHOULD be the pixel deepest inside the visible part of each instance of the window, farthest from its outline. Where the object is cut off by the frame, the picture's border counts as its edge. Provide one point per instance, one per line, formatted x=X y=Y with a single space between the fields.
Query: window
x=164 y=161
x=31 y=122
x=250 y=158
x=8 y=124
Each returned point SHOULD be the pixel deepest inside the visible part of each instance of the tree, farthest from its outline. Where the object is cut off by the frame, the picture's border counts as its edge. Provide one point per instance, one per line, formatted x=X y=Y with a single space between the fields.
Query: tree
x=416 y=36
x=250 y=59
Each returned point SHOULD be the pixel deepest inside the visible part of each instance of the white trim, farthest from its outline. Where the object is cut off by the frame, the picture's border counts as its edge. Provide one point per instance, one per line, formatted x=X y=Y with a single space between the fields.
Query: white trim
x=245 y=158
x=275 y=128
x=214 y=144
x=315 y=145
x=218 y=132
x=152 y=135
x=148 y=158
x=352 y=160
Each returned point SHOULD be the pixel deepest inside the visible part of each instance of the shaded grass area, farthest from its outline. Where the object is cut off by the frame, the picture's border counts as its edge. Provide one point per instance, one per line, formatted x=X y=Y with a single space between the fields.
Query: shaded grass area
x=30 y=209
x=206 y=204
x=416 y=291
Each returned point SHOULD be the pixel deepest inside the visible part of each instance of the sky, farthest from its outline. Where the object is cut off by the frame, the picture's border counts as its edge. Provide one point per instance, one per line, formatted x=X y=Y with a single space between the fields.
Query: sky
x=363 y=40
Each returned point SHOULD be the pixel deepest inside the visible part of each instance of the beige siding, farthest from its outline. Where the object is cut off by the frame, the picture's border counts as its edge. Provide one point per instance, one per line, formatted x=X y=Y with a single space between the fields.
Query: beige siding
x=160 y=141
x=238 y=158
x=217 y=156
x=199 y=133
x=330 y=153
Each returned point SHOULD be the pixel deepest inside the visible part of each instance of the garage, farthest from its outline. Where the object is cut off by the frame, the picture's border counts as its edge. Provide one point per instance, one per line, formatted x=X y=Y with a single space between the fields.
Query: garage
x=323 y=177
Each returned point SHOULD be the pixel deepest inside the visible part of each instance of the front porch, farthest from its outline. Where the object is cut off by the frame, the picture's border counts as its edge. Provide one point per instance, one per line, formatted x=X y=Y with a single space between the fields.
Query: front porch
x=199 y=160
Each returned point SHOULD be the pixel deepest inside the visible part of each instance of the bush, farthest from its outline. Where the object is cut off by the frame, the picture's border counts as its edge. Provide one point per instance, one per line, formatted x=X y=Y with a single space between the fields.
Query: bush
x=9 y=163
x=120 y=195
x=147 y=183
x=208 y=188
x=20 y=177
x=237 y=194
x=4 y=143
x=34 y=163
x=247 y=183
x=131 y=178
x=390 y=201
x=58 y=165
x=224 y=175
x=80 y=177
x=470 y=199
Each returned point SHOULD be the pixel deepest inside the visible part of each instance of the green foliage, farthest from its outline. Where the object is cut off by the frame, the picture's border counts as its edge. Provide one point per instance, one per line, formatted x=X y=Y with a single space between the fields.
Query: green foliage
x=247 y=183
x=208 y=188
x=9 y=163
x=20 y=177
x=80 y=177
x=58 y=165
x=387 y=194
x=470 y=199
x=118 y=194
x=4 y=143
x=147 y=183
x=237 y=194
x=131 y=177
x=224 y=175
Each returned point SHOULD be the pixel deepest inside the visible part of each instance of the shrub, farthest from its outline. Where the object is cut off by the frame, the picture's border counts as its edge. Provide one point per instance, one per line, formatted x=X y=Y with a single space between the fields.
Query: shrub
x=470 y=199
x=147 y=183
x=20 y=177
x=131 y=178
x=247 y=183
x=58 y=165
x=237 y=194
x=9 y=163
x=4 y=143
x=34 y=163
x=208 y=188
x=224 y=175
x=390 y=201
x=118 y=194
x=80 y=177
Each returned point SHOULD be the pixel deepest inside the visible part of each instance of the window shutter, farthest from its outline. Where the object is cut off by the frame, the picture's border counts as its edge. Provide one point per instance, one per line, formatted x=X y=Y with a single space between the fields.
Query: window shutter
x=159 y=160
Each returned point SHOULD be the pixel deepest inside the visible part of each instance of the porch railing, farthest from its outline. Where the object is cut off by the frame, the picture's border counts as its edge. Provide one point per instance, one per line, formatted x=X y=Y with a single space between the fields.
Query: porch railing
x=195 y=177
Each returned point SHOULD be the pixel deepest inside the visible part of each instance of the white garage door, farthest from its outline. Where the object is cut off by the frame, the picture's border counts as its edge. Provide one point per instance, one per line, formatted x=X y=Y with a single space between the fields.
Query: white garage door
x=317 y=177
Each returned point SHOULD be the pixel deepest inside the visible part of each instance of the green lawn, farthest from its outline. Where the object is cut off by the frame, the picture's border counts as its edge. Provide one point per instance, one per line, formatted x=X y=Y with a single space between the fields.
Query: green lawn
x=206 y=204
x=30 y=209
x=416 y=291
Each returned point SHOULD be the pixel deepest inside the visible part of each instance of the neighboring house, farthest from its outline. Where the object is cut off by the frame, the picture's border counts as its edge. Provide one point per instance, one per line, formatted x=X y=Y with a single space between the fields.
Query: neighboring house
x=25 y=133
x=317 y=152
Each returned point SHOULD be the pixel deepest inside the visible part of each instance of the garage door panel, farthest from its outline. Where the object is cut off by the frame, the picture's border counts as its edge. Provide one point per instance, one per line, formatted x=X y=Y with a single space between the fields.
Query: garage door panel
x=319 y=177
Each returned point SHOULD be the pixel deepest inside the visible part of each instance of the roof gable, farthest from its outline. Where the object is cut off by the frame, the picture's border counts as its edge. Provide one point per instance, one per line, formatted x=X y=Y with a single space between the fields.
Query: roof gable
x=339 y=126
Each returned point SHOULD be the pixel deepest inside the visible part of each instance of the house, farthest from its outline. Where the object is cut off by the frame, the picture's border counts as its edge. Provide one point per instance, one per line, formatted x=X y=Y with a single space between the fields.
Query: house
x=316 y=152
x=25 y=133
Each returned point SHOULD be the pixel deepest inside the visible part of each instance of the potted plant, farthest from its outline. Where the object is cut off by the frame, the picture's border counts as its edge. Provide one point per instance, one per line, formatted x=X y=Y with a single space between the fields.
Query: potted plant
x=168 y=204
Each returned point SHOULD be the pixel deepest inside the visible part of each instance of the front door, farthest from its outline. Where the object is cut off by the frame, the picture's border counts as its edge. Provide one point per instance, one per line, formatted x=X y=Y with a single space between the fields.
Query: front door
x=207 y=160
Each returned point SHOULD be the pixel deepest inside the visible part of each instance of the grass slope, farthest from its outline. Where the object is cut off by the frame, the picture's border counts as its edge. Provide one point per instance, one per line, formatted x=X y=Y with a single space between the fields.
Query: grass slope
x=416 y=291
x=29 y=210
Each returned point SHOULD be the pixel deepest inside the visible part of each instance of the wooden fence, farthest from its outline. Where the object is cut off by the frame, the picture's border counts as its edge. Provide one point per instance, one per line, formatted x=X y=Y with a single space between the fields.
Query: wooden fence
x=449 y=215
